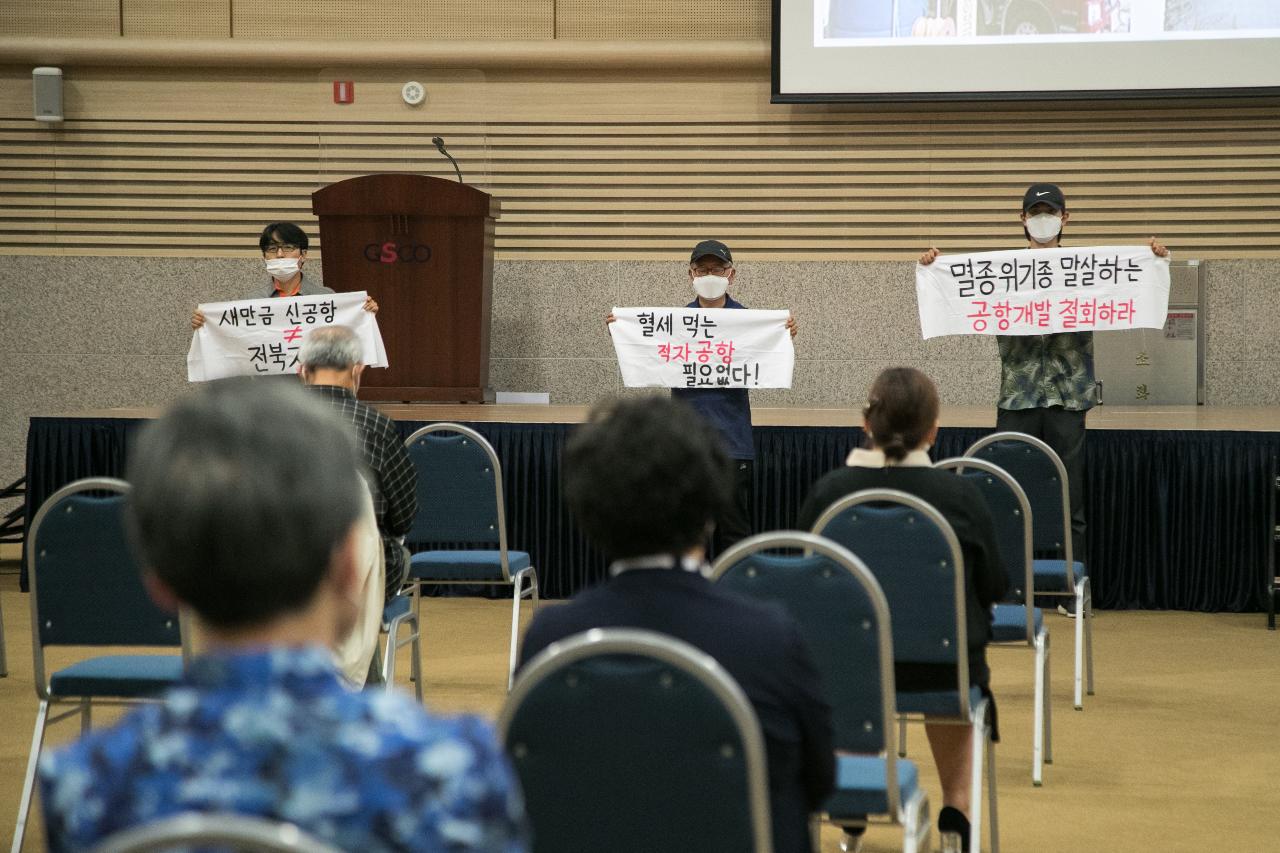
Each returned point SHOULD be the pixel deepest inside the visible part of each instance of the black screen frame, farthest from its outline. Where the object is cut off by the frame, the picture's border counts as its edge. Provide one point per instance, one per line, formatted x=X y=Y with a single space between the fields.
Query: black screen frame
x=776 y=96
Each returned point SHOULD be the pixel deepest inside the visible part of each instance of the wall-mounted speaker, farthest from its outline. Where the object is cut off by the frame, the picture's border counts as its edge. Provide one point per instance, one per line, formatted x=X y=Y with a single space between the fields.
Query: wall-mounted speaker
x=46 y=93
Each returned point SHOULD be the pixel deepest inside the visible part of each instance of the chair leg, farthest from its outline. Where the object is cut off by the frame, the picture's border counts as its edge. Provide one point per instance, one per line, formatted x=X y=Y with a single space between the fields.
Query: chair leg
x=4 y=653
x=86 y=716
x=978 y=751
x=29 y=783
x=415 y=666
x=415 y=671
x=902 y=737
x=1048 y=702
x=994 y=831
x=916 y=824
x=389 y=655
x=1079 y=672
x=1037 y=732
x=518 y=593
x=1088 y=635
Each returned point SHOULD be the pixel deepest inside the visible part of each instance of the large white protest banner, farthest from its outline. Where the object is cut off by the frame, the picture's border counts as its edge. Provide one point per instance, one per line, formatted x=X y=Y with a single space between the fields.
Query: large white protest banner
x=1040 y=291
x=260 y=337
x=703 y=347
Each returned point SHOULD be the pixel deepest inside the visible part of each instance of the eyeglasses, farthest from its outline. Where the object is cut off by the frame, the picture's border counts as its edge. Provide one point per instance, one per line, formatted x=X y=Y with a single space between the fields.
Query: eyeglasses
x=280 y=249
x=700 y=271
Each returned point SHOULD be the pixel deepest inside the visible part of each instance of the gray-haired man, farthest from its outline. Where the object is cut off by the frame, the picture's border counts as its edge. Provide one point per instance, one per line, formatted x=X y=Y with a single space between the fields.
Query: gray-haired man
x=332 y=361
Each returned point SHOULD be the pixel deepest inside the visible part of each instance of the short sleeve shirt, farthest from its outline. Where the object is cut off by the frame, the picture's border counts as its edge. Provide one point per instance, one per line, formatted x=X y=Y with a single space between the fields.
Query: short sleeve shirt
x=1040 y=371
x=276 y=734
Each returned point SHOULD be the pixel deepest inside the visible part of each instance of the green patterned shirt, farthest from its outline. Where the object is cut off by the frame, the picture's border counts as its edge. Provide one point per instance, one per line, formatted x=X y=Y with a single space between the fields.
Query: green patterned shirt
x=1039 y=371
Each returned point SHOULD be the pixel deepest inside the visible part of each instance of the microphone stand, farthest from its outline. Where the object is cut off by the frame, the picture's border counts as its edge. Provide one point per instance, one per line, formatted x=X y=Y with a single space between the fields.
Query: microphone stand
x=439 y=143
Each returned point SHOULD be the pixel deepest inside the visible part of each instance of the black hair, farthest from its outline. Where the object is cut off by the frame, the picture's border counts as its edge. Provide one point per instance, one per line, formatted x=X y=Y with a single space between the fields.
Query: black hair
x=242 y=491
x=645 y=475
x=283 y=232
x=902 y=407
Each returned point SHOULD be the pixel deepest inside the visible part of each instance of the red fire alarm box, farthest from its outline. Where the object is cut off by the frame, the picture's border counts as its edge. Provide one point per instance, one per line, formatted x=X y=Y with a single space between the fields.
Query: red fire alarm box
x=344 y=91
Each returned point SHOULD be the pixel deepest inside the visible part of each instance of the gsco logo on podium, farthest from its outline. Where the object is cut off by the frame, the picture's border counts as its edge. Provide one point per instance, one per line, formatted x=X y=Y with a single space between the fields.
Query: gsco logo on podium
x=391 y=252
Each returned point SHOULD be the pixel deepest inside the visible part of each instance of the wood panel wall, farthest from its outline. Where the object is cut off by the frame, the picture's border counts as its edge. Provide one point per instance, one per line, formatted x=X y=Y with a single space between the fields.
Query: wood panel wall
x=644 y=20
x=632 y=150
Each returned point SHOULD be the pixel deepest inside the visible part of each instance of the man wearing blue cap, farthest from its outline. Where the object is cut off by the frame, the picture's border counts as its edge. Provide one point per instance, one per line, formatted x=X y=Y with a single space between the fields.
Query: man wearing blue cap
x=711 y=273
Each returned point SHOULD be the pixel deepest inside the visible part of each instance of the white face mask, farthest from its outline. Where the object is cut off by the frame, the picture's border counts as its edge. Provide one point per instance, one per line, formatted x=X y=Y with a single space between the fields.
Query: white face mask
x=283 y=269
x=1043 y=227
x=711 y=286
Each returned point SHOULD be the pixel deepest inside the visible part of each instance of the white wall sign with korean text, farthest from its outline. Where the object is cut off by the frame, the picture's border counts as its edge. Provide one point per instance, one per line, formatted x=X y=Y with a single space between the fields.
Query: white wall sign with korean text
x=1041 y=291
x=703 y=347
x=261 y=337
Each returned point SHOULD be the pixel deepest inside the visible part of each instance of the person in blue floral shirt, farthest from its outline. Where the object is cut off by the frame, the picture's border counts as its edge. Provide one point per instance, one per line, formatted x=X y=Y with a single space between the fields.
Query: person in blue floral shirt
x=244 y=509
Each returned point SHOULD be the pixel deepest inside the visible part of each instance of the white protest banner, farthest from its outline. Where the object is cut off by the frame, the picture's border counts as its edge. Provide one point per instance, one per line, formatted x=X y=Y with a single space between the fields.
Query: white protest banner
x=260 y=337
x=1040 y=291
x=703 y=347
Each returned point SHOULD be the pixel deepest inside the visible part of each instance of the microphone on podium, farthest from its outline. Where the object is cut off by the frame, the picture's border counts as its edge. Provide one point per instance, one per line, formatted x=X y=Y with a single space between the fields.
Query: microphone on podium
x=439 y=144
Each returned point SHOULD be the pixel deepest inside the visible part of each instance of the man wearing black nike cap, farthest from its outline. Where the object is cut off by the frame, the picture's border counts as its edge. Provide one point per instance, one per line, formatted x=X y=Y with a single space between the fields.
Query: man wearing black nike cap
x=1046 y=381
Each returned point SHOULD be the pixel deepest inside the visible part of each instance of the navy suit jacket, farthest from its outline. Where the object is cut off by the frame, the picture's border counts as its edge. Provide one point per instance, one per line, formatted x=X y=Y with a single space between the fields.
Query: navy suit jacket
x=757 y=643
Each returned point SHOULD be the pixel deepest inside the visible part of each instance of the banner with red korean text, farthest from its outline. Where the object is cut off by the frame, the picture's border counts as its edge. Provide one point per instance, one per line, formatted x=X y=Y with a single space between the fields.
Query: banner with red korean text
x=1042 y=291
x=261 y=337
x=703 y=347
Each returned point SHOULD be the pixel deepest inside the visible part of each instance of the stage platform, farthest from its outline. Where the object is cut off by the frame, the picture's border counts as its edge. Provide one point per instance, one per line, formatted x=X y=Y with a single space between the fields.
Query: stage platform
x=1249 y=419
x=1178 y=497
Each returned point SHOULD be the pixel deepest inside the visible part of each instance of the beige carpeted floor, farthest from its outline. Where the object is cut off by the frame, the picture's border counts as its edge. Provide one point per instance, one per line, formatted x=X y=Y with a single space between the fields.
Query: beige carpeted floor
x=1177 y=751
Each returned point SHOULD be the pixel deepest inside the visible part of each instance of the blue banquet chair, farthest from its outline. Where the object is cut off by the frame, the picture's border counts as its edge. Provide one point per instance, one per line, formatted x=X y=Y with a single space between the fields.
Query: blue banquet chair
x=1044 y=479
x=460 y=502
x=1016 y=621
x=86 y=591
x=914 y=554
x=844 y=618
x=199 y=831
x=629 y=740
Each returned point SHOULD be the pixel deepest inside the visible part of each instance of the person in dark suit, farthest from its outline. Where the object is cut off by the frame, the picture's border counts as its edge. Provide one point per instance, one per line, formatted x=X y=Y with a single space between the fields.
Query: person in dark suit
x=644 y=478
x=901 y=423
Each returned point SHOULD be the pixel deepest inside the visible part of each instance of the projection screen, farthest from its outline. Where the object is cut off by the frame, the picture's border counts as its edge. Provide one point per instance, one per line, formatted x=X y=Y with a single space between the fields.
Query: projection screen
x=913 y=50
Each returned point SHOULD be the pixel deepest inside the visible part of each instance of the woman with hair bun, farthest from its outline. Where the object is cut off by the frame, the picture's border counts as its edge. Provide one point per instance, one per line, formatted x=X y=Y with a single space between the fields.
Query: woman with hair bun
x=901 y=422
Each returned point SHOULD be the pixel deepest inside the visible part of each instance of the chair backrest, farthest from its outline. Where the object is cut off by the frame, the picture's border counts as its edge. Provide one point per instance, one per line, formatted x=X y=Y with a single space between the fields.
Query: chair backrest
x=914 y=554
x=1043 y=477
x=459 y=487
x=844 y=618
x=86 y=586
x=227 y=831
x=1011 y=512
x=632 y=737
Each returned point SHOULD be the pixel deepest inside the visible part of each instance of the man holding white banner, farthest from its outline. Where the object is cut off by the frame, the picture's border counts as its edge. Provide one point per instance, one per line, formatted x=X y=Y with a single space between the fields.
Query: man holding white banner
x=284 y=254
x=726 y=405
x=1047 y=383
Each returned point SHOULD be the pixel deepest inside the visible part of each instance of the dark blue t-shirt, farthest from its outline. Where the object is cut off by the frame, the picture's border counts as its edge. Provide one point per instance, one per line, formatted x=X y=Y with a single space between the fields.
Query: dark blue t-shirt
x=727 y=409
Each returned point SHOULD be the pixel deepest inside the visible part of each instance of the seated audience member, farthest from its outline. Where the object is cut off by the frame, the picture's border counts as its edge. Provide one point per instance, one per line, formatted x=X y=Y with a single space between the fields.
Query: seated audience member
x=645 y=477
x=284 y=253
x=901 y=423
x=245 y=510
x=331 y=360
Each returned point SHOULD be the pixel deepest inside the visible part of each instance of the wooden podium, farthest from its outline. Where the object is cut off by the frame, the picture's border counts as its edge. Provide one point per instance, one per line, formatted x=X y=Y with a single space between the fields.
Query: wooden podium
x=423 y=248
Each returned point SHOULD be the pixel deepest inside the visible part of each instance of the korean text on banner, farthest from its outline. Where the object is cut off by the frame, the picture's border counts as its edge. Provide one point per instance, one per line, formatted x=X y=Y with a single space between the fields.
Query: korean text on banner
x=1041 y=291
x=703 y=347
x=261 y=337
